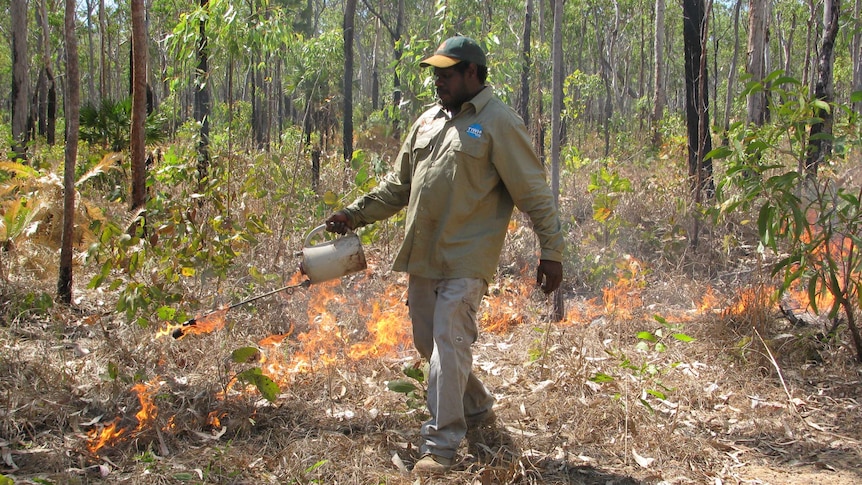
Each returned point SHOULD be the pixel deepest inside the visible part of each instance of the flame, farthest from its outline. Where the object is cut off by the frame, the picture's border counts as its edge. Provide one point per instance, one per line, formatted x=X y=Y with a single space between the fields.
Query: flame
x=709 y=302
x=501 y=308
x=584 y=312
x=212 y=321
x=214 y=418
x=754 y=298
x=111 y=433
x=625 y=295
x=148 y=408
x=386 y=329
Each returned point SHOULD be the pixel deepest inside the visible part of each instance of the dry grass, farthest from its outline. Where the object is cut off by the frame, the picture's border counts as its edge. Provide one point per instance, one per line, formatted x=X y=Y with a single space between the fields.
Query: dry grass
x=775 y=405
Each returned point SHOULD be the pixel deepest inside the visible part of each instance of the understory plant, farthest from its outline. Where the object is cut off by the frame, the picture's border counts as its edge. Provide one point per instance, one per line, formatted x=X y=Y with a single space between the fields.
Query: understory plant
x=809 y=222
x=647 y=368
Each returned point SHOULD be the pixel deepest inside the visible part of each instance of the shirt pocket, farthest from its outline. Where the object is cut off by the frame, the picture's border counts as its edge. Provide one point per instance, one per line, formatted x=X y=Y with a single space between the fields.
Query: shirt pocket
x=470 y=147
x=422 y=146
x=472 y=168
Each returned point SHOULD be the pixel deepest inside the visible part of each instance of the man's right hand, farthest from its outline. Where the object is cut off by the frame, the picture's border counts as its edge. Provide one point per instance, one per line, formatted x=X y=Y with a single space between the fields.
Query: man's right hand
x=338 y=223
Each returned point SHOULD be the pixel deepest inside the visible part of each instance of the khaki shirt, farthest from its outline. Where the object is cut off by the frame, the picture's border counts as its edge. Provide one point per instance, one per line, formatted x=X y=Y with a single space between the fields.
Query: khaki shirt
x=460 y=178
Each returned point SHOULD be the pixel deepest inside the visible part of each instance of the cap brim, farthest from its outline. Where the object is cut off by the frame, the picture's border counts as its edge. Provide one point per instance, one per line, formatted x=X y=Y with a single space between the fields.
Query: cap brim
x=439 y=61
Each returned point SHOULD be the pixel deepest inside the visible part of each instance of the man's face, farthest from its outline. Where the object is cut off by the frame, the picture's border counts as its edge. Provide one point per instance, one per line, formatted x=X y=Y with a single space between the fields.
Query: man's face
x=453 y=87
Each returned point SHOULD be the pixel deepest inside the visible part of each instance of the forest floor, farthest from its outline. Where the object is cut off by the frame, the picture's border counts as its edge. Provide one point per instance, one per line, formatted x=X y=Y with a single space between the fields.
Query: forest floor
x=671 y=365
x=752 y=399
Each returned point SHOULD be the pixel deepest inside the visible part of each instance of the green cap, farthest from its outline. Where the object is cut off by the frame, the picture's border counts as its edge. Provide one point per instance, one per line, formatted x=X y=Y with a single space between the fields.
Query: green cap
x=454 y=50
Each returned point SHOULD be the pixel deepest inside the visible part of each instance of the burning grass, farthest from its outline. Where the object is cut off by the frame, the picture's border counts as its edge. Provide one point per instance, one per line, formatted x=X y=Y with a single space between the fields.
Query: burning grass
x=668 y=367
x=579 y=401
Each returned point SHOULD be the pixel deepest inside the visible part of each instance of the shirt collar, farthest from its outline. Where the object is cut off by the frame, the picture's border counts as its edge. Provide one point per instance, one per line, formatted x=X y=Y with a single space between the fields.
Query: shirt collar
x=478 y=102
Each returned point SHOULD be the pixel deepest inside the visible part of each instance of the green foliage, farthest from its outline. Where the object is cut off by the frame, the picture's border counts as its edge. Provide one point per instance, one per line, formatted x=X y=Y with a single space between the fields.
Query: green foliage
x=607 y=187
x=109 y=124
x=148 y=258
x=254 y=376
x=413 y=387
x=814 y=225
x=577 y=87
x=646 y=371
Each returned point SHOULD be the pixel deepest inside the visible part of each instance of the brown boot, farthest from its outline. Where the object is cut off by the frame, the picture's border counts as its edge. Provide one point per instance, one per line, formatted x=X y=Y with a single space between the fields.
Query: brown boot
x=431 y=464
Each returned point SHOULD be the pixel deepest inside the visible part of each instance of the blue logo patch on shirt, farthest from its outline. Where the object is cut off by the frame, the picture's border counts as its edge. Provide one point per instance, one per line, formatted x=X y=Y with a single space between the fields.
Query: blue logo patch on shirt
x=474 y=131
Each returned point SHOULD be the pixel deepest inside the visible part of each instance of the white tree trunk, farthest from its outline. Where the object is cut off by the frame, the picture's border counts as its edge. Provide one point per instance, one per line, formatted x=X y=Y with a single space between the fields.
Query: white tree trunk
x=758 y=23
x=659 y=96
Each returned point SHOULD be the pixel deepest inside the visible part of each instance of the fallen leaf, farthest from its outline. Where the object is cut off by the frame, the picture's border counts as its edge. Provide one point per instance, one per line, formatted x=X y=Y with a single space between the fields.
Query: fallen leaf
x=642 y=461
x=399 y=464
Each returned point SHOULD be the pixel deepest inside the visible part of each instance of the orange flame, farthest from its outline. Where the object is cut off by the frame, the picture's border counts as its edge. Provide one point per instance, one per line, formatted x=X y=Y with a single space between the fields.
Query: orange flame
x=500 y=309
x=386 y=327
x=214 y=418
x=148 y=409
x=626 y=292
x=111 y=433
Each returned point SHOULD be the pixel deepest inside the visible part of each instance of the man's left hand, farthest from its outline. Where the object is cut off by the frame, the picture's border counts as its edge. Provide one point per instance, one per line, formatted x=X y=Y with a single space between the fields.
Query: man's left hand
x=549 y=275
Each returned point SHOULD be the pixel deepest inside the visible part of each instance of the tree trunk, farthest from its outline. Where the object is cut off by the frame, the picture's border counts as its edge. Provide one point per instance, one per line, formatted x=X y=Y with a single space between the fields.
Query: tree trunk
x=202 y=97
x=697 y=104
x=807 y=75
x=538 y=79
x=820 y=133
x=856 y=55
x=73 y=102
x=20 y=79
x=731 y=74
x=104 y=72
x=347 y=134
x=375 y=65
x=139 y=105
x=91 y=72
x=46 y=107
x=758 y=23
x=524 y=98
x=659 y=96
x=556 y=123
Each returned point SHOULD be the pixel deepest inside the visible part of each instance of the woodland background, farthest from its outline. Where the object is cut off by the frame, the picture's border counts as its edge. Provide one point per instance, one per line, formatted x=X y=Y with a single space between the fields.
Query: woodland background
x=163 y=161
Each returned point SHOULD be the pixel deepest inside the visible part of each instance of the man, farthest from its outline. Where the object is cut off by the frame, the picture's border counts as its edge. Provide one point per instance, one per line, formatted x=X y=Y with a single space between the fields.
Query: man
x=464 y=165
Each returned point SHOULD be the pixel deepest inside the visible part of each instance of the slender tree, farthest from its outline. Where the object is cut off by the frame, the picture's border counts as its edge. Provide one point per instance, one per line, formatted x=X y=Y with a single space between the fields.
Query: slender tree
x=104 y=72
x=856 y=55
x=659 y=97
x=758 y=25
x=20 y=78
x=91 y=71
x=524 y=98
x=45 y=107
x=820 y=132
x=73 y=103
x=696 y=103
x=202 y=95
x=139 y=105
x=731 y=72
x=347 y=134
x=556 y=124
x=394 y=29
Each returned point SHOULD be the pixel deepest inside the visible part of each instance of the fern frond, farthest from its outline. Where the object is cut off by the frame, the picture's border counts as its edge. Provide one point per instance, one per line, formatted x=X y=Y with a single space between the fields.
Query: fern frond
x=19 y=169
x=133 y=218
x=111 y=161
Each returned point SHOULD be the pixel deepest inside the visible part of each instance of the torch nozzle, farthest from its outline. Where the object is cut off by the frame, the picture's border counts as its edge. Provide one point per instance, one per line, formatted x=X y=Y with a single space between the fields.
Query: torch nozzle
x=179 y=332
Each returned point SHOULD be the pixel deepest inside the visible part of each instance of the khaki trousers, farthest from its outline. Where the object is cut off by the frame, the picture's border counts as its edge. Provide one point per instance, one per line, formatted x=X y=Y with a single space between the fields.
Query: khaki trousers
x=443 y=312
